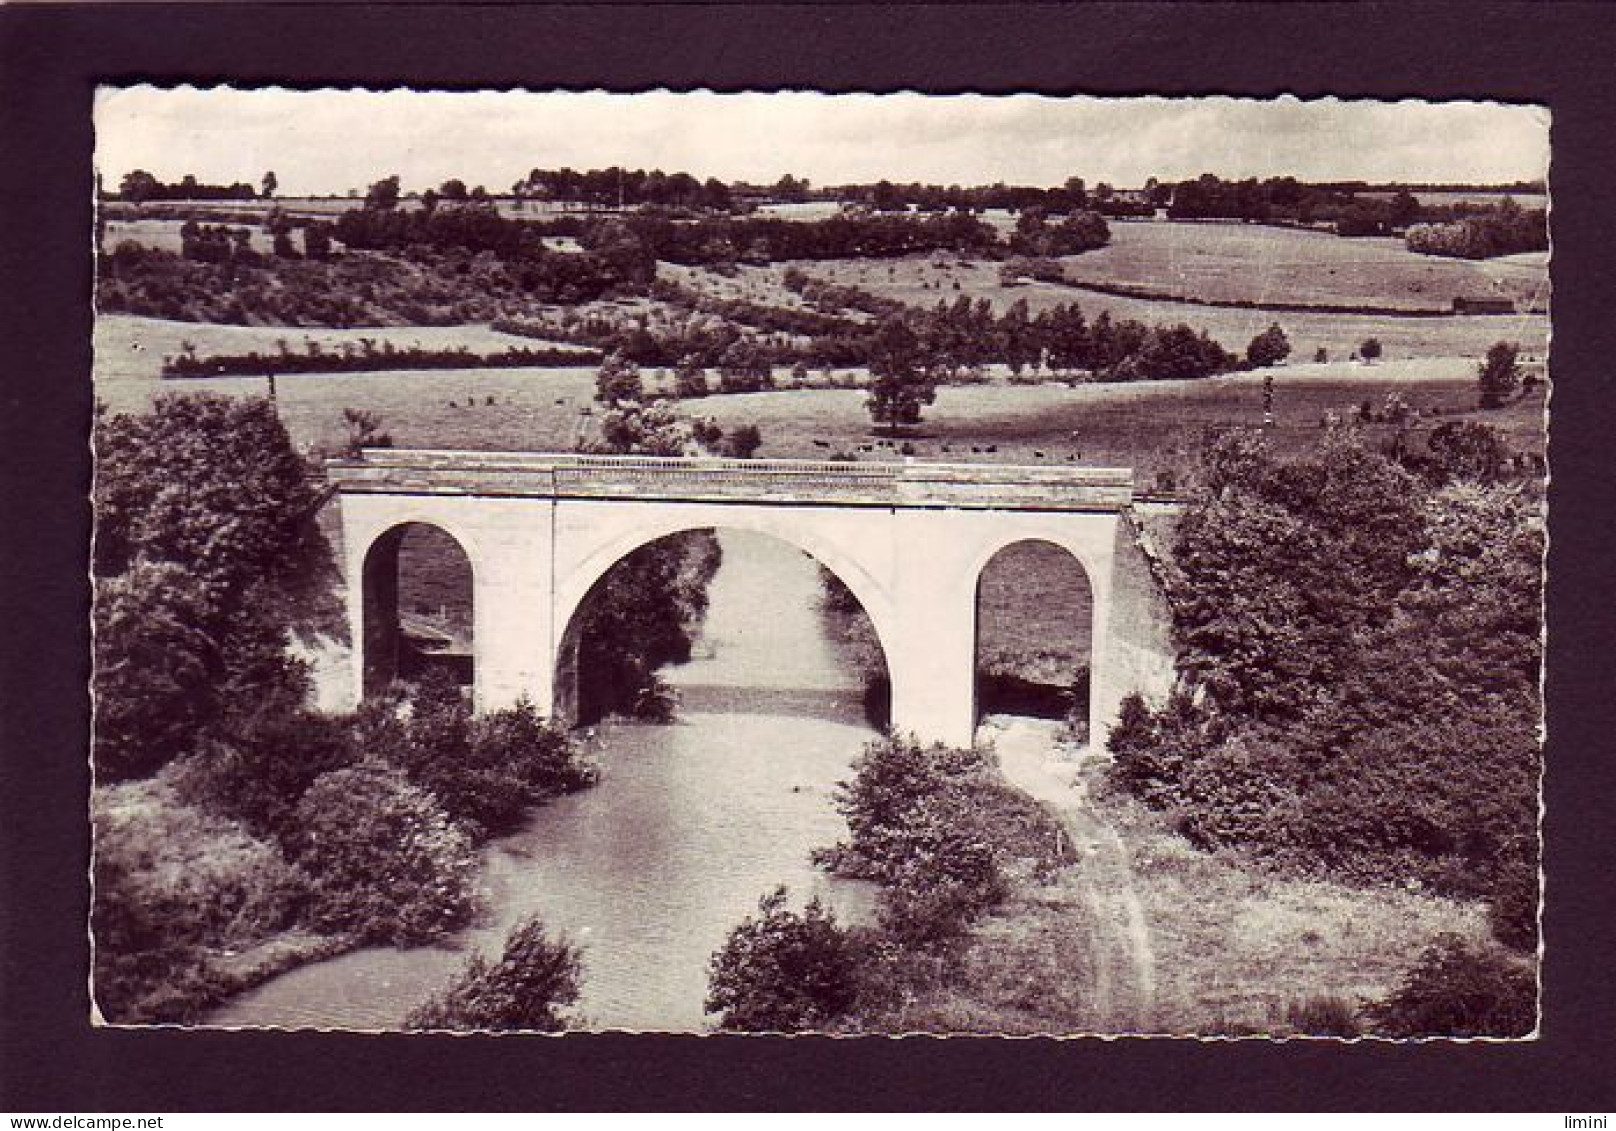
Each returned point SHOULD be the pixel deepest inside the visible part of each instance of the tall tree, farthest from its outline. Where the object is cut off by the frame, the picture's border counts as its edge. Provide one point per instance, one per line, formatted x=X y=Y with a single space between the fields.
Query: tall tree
x=901 y=382
x=1499 y=375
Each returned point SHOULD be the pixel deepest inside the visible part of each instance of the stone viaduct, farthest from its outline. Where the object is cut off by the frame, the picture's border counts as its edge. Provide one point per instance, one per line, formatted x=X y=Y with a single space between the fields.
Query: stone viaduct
x=909 y=539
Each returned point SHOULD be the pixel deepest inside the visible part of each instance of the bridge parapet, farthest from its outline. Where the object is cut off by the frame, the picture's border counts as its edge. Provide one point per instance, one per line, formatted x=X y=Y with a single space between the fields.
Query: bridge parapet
x=907 y=484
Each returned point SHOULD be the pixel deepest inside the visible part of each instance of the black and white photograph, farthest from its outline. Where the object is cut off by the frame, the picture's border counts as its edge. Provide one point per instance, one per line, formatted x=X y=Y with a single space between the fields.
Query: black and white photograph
x=805 y=563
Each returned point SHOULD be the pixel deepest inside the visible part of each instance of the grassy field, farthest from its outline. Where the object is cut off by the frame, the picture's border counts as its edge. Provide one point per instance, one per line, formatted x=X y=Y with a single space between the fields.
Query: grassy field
x=1247 y=262
x=924 y=280
x=1153 y=427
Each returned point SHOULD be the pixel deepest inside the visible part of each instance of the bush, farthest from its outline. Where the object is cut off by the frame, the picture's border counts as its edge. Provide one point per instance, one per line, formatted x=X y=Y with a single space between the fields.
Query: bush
x=388 y=865
x=170 y=882
x=526 y=989
x=783 y=972
x=940 y=830
x=1323 y=1017
x=486 y=772
x=259 y=773
x=1512 y=910
x=1458 y=991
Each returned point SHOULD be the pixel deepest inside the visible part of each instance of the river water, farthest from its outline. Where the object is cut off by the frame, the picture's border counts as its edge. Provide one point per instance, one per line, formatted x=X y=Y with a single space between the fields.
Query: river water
x=690 y=823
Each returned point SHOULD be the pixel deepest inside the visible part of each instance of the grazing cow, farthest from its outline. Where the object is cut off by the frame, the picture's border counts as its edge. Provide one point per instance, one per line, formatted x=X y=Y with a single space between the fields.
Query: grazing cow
x=1038 y=455
x=821 y=444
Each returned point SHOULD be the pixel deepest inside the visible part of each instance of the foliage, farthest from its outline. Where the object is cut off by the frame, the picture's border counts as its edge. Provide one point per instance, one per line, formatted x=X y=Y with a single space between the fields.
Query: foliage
x=364 y=430
x=1466 y=450
x=1504 y=230
x=1499 y=375
x=1458 y=991
x=156 y=669
x=940 y=830
x=782 y=971
x=1370 y=349
x=259 y=772
x=618 y=382
x=387 y=863
x=1268 y=348
x=1363 y=658
x=1285 y=564
x=525 y=990
x=171 y=881
x=206 y=550
x=900 y=385
x=1323 y=1017
x=485 y=771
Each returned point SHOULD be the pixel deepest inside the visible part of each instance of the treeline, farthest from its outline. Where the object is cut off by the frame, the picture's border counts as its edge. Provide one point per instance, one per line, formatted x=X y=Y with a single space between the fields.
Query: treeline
x=1359 y=635
x=1466 y=229
x=1502 y=230
x=952 y=340
x=139 y=186
x=367 y=357
x=1072 y=196
x=613 y=187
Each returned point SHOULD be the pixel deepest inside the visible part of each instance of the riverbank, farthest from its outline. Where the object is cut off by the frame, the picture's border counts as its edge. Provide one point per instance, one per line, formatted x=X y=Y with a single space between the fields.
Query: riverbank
x=1147 y=935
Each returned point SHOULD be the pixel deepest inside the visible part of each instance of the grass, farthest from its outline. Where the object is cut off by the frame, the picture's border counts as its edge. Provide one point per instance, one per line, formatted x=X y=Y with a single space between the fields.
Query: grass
x=1244 y=262
x=1236 y=947
x=1234 y=950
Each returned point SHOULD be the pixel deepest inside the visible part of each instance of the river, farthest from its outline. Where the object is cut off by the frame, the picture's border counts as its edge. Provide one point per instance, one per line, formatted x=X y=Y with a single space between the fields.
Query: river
x=690 y=823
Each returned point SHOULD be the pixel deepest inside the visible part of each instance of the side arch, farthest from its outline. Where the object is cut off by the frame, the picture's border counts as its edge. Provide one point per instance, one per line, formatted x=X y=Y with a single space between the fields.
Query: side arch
x=1033 y=631
x=378 y=637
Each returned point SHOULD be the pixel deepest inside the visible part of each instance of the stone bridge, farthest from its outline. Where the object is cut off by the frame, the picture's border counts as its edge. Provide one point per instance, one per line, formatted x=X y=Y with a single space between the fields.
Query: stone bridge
x=909 y=539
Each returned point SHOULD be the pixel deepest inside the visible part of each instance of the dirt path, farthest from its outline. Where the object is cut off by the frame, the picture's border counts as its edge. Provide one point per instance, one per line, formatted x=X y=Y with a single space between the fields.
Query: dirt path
x=1124 y=995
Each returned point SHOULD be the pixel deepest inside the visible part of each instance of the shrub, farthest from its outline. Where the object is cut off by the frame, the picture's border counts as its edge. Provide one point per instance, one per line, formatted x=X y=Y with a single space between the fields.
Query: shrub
x=1458 y=991
x=170 y=881
x=783 y=972
x=388 y=865
x=1323 y=1017
x=258 y=774
x=534 y=979
x=939 y=829
x=1512 y=910
x=486 y=772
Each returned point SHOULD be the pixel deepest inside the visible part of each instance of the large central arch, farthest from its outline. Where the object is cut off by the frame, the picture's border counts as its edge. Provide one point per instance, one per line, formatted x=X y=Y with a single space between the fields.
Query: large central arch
x=572 y=599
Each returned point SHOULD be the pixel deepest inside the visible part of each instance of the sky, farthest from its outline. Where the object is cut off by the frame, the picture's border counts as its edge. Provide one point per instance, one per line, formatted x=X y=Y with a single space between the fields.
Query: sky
x=330 y=141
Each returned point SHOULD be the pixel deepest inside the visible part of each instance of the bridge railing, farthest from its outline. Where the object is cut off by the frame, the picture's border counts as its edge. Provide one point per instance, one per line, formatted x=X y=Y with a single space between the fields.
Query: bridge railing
x=909 y=483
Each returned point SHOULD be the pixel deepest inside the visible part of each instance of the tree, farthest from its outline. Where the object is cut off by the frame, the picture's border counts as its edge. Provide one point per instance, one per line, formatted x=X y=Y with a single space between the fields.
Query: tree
x=618 y=383
x=1268 y=348
x=527 y=989
x=1459 y=991
x=156 y=669
x=1370 y=350
x=744 y=367
x=209 y=486
x=269 y=184
x=139 y=186
x=901 y=384
x=1499 y=375
x=364 y=431
x=689 y=378
x=383 y=195
x=783 y=972
x=1467 y=450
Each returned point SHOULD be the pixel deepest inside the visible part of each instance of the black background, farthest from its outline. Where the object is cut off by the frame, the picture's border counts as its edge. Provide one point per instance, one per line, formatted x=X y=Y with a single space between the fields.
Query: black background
x=50 y=61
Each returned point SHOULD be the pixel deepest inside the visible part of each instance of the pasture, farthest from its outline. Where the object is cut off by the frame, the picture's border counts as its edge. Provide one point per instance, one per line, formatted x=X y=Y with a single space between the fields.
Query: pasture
x=1154 y=427
x=1257 y=263
x=924 y=280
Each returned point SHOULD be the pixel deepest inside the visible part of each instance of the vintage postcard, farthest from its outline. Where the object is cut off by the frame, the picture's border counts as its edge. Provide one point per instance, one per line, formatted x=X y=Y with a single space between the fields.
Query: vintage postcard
x=801 y=563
